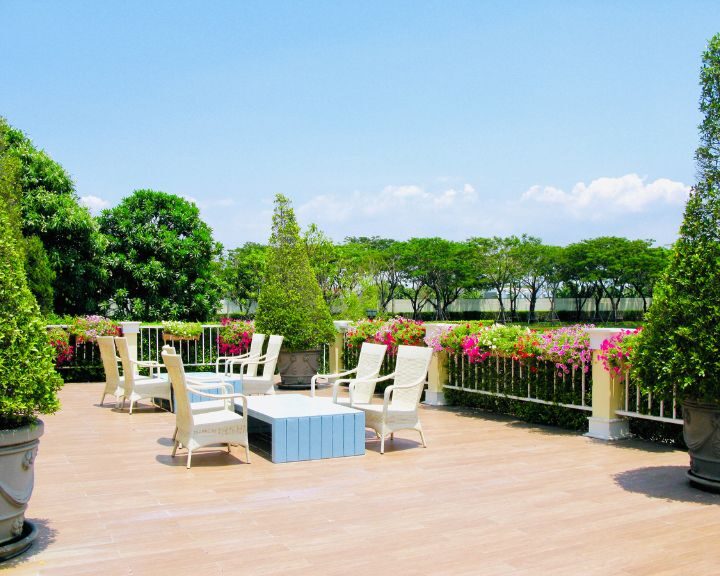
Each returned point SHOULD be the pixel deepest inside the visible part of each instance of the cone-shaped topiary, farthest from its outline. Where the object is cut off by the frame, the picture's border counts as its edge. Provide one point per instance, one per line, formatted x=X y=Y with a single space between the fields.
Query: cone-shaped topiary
x=290 y=301
x=680 y=345
x=28 y=381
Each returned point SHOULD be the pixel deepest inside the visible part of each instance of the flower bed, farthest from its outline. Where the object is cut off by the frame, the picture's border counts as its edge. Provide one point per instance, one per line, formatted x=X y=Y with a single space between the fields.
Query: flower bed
x=235 y=336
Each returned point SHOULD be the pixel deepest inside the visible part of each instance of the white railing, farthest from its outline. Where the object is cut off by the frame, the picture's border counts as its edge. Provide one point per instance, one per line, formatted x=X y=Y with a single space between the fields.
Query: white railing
x=201 y=352
x=529 y=381
x=640 y=404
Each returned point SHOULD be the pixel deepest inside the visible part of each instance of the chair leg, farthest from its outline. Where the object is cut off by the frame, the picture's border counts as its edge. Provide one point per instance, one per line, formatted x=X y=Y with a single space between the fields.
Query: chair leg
x=175 y=447
x=422 y=437
x=228 y=447
x=172 y=408
x=132 y=402
x=392 y=435
x=247 y=453
x=175 y=433
x=103 y=398
x=382 y=444
x=189 y=458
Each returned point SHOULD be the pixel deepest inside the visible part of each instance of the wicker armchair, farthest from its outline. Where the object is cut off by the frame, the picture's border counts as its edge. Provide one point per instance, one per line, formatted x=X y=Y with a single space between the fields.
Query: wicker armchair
x=265 y=382
x=114 y=383
x=137 y=387
x=197 y=430
x=255 y=351
x=360 y=388
x=399 y=410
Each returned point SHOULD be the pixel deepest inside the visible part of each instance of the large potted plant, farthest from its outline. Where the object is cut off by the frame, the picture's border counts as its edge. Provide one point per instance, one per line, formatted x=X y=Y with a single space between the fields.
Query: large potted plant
x=290 y=301
x=679 y=348
x=28 y=387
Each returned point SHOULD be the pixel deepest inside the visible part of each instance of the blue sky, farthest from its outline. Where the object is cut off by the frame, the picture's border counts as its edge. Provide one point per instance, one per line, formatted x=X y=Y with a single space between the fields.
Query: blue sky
x=565 y=120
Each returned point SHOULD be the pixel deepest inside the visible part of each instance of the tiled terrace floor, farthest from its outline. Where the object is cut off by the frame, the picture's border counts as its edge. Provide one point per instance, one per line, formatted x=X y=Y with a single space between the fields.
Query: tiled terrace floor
x=488 y=496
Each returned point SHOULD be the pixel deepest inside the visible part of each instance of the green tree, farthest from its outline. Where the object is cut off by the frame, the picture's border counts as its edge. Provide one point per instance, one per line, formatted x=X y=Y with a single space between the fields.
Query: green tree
x=242 y=271
x=534 y=262
x=412 y=274
x=645 y=266
x=40 y=275
x=679 y=345
x=28 y=380
x=291 y=302
x=50 y=210
x=494 y=265
x=160 y=259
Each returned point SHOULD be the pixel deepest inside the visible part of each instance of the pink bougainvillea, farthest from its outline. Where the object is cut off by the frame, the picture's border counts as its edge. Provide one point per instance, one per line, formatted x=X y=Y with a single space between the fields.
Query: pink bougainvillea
x=235 y=336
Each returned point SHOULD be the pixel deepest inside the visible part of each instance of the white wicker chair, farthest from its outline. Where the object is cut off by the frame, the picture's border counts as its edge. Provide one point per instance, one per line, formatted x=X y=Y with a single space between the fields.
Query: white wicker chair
x=265 y=383
x=137 y=387
x=255 y=351
x=399 y=410
x=368 y=367
x=197 y=430
x=113 y=381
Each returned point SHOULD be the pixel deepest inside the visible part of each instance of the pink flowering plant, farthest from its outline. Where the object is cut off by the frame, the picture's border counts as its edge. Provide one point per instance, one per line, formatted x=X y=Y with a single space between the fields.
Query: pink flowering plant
x=235 y=336
x=88 y=328
x=568 y=348
x=399 y=330
x=496 y=340
x=450 y=339
x=59 y=339
x=616 y=353
x=362 y=331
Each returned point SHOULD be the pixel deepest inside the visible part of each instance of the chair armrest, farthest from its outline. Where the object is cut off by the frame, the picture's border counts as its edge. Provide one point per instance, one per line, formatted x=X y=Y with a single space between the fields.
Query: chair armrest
x=242 y=397
x=205 y=386
x=390 y=389
x=326 y=377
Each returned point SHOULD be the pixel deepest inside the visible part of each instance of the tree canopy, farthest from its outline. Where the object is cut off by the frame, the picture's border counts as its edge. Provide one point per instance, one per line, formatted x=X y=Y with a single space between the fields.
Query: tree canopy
x=160 y=258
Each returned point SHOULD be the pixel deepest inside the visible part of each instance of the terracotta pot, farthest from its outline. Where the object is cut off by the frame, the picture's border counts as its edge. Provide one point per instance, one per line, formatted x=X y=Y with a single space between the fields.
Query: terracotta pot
x=701 y=431
x=18 y=448
x=297 y=368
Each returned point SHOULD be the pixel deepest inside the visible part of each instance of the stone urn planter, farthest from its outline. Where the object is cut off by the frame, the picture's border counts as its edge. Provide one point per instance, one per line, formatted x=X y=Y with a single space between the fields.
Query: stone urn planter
x=18 y=448
x=701 y=431
x=297 y=368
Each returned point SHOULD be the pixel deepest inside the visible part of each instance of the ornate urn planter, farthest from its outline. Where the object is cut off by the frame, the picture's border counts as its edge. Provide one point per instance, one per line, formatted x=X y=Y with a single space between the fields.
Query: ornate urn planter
x=18 y=448
x=702 y=436
x=297 y=368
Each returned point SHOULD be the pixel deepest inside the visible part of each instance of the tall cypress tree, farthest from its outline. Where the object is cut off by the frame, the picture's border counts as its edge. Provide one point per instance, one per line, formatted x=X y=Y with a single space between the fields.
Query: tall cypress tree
x=290 y=301
x=680 y=343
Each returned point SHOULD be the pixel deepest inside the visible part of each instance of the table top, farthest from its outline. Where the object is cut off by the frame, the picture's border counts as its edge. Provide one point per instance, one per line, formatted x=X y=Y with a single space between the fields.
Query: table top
x=278 y=406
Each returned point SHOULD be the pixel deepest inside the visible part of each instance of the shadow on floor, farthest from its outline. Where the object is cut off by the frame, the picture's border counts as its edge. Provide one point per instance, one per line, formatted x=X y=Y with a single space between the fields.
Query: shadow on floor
x=668 y=483
x=206 y=458
x=46 y=536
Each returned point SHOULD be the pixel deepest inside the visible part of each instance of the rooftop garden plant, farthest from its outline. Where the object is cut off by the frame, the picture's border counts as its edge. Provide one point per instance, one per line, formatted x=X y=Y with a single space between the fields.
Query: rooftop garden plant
x=181 y=330
x=28 y=381
x=235 y=336
x=617 y=352
x=88 y=328
x=59 y=339
x=290 y=302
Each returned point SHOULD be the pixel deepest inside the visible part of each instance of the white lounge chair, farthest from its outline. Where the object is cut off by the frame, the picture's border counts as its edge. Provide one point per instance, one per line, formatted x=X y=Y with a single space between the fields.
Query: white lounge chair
x=360 y=388
x=265 y=382
x=137 y=387
x=113 y=381
x=399 y=410
x=255 y=351
x=197 y=430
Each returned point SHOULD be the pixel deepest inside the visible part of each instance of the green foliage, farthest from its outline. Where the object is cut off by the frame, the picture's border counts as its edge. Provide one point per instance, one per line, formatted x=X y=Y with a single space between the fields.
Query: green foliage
x=291 y=303
x=679 y=345
x=40 y=275
x=50 y=211
x=160 y=259
x=190 y=330
x=545 y=414
x=242 y=272
x=28 y=381
x=10 y=191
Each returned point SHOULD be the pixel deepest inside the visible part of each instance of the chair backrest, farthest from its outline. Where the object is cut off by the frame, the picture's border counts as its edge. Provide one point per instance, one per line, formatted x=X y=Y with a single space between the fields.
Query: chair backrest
x=411 y=367
x=109 y=360
x=127 y=366
x=272 y=352
x=176 y=373
x=256 y=346
x=370 y=360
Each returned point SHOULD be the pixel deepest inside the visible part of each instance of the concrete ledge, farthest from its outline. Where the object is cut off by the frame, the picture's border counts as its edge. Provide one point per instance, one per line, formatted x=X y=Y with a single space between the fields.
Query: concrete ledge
x=608 y=428
x=434 y=398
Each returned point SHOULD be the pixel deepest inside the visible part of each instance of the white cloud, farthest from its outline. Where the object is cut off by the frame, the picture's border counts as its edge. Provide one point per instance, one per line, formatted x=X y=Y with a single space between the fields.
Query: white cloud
x=411 y=201
x=605 y=196
x=94 y=203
